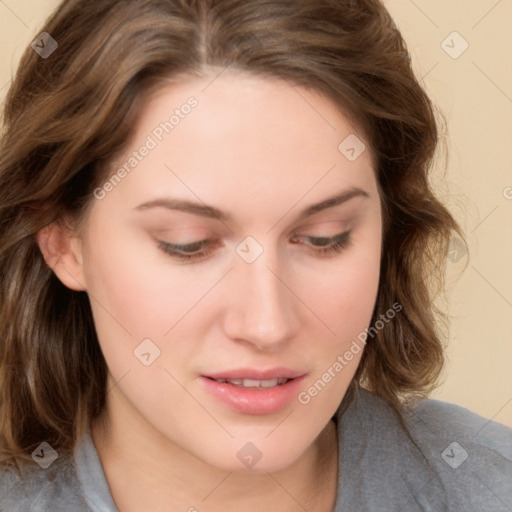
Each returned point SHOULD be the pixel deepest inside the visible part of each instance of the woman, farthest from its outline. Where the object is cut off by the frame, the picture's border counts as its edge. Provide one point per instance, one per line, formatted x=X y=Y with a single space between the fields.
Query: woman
x=219 y=251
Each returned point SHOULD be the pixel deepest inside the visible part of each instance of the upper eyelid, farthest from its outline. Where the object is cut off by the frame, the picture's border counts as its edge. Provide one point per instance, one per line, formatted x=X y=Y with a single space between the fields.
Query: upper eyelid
x=163 y=226
x=211 y=212
x=294 y=232
x=343 y=234
x=205 y=242
x=209 y=242
x=309 y=222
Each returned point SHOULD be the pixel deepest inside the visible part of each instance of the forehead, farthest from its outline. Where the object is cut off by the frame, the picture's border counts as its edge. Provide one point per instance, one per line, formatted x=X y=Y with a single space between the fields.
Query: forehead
x=242 y=136
x=233 y=101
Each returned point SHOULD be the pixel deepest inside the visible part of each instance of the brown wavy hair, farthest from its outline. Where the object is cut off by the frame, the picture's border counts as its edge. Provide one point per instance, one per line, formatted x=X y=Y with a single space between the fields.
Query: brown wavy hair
x=65 y=117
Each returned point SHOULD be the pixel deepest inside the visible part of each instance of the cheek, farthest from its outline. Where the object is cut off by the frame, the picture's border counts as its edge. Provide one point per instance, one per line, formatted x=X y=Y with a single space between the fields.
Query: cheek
x=345 y=295
x=129 y=279
x=345 y=303
x=134 y=297
x=347 y=310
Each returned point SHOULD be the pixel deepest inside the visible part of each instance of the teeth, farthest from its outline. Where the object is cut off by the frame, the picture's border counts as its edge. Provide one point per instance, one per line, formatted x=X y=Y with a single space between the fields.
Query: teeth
x=268 y=383
x=251 y=383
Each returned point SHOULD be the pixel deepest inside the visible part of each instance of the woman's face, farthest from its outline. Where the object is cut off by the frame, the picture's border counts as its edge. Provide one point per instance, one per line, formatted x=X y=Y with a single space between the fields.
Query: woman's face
x=207 y=257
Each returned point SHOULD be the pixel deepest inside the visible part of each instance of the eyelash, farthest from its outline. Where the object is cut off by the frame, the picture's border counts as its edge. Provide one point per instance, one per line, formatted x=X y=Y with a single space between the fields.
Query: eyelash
x=328 y=246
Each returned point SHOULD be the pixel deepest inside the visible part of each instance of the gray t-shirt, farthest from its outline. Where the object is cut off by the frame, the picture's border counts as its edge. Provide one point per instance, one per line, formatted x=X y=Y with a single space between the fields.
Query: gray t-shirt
x=459 y=461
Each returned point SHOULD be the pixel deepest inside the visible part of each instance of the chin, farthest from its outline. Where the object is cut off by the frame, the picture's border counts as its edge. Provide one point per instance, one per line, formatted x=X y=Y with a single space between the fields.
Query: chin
x=255 y=457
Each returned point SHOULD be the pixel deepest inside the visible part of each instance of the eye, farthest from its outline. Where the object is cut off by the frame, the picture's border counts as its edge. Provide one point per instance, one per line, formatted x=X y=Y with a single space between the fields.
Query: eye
x=188 y=252
x=203 y=248
x=327 y=245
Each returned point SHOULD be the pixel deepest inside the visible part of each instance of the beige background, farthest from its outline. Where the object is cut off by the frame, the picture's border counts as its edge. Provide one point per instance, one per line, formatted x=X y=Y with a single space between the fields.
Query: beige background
x=474 y=91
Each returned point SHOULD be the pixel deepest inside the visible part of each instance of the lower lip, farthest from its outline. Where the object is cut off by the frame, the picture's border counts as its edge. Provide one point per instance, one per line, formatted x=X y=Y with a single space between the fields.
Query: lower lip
x=254 y=400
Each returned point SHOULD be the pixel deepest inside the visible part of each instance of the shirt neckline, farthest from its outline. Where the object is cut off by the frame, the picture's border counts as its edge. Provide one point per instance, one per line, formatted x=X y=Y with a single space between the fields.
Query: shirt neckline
x=94 y=483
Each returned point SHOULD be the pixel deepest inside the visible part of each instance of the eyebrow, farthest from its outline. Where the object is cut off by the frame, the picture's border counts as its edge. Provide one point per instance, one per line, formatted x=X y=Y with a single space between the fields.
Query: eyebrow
x=211 y=212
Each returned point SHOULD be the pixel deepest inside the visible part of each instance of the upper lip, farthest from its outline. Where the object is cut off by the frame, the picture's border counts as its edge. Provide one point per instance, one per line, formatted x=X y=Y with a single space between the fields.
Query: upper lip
x=256 y=374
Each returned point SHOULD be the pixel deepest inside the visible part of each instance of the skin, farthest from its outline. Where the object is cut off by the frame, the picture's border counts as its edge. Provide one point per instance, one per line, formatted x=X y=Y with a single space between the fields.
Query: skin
x=261 y=151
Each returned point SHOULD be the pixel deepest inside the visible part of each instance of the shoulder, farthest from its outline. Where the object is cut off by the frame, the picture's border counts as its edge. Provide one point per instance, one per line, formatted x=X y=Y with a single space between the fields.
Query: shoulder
x=450 y=422
x=41 y=489
x=462 y=458
x=471 y=454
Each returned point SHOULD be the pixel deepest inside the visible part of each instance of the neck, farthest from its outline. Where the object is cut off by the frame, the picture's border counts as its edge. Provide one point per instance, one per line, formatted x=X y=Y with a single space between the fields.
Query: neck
x=151 y=473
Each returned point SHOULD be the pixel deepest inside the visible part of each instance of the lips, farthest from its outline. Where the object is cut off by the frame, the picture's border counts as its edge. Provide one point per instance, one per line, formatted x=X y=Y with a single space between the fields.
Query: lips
x=256 y=374
x=254 y=383
x=255 y=391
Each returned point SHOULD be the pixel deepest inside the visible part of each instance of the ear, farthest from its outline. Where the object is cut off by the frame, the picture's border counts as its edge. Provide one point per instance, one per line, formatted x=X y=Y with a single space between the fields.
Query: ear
x=62 y=251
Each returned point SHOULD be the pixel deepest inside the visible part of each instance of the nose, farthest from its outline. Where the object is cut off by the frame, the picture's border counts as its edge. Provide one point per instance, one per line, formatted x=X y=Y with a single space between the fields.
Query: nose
x=263 y=310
